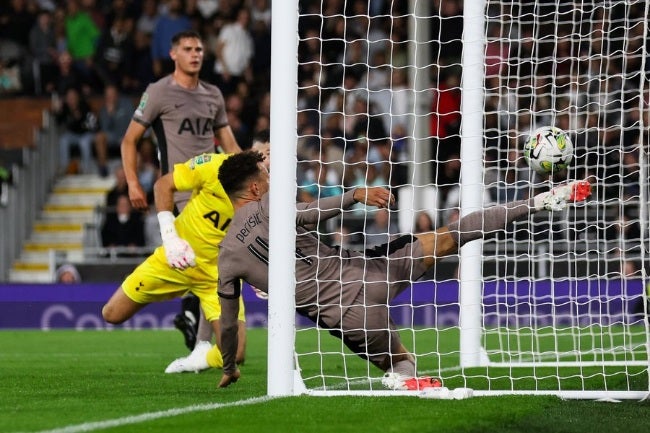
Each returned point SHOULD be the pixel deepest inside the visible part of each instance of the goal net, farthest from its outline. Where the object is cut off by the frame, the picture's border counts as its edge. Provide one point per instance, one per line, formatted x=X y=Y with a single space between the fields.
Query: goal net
x=434 y=101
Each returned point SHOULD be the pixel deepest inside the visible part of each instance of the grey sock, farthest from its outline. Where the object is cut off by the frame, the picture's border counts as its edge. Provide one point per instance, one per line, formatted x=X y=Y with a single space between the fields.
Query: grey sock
x=487 y=222
x=405 y=367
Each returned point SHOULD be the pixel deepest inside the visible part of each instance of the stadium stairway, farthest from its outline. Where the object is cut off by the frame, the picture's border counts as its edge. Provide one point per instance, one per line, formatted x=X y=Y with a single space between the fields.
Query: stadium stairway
x=69 y=207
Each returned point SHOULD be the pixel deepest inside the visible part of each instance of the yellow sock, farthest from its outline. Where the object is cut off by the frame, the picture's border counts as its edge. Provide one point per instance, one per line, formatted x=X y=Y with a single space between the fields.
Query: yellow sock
x=214 y=357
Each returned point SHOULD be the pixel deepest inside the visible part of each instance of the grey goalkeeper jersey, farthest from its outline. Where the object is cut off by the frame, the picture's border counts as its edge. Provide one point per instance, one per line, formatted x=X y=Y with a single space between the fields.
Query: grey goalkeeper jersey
x=326 y=278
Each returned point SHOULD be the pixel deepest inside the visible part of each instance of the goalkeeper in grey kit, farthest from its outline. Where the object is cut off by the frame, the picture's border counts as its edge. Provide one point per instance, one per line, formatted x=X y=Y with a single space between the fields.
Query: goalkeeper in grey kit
x=345 y=291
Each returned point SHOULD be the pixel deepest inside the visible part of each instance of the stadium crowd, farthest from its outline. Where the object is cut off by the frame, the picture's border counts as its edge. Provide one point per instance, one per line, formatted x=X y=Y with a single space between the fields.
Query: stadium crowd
x=355 y=96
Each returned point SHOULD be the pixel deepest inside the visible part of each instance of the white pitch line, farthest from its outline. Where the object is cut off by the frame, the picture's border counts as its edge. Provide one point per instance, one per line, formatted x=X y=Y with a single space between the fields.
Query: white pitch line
x=149 y=416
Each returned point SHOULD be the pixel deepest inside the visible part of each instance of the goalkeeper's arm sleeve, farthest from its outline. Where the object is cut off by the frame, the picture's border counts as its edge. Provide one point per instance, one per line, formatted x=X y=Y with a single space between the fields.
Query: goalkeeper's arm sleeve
x=324 y=208
x=229 y=338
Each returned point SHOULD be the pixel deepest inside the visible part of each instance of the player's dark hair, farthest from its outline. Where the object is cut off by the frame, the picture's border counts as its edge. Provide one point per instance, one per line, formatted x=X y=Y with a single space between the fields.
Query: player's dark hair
x=236 y=171
x=186 y=34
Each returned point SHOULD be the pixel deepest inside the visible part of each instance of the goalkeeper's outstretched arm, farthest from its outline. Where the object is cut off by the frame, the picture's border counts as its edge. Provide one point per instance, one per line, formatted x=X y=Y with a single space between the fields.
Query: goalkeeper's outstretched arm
x=321 y=209
x=229 y=338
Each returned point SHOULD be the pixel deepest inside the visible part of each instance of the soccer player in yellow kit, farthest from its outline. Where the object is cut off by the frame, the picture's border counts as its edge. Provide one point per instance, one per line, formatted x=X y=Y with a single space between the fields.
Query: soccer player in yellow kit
x=188 y=256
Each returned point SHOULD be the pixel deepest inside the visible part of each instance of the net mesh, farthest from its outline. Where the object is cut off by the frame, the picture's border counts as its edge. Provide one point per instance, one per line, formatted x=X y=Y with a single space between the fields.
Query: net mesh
x=379 y=104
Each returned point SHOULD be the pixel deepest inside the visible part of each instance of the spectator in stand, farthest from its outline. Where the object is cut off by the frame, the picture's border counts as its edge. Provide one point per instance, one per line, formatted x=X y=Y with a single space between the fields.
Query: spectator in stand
x=78 y=126
x=67 y=77
x=146 y=22
x=100 y=15
x=114 y=117
x=625 y=230
x=264 y=104
x=394 y=102
x=42 y=44
x=58 y=20
x=249 y=113
x=148 y=164
x=123 y=227
x=16 y=21
x=167 y=25
x=423 y=222
x=362 y=119
x=114 y=52
x=120 y=188
x=261 y=12
x=320 y=181
x=262 y=123
x=127 y=9
x=81 y=35
x=67 y=274
x=261 y=34
x=10 y=67
x=152 y=236
x=234 y=52
x=309 y=53
x=234 y=109
x=380 y=229
x=447 y=25
x=445 y=121
x=141 y=63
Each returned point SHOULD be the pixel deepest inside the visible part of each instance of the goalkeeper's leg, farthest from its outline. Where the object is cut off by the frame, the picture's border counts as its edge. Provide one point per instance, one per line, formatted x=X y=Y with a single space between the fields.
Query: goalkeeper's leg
x=488 y=222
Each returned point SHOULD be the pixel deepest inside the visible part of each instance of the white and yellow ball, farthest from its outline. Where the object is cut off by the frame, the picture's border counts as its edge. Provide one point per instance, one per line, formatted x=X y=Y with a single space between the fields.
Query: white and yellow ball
x=548 y=150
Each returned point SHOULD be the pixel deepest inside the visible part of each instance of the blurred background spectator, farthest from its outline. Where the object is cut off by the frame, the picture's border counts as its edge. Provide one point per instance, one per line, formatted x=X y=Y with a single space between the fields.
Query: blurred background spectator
x=82 y=34
x=114 y=117
x=120 y=188
x=172 y=21
x=43 y=46
x=380 y=228
x=114 y=51
x=355 y=98
x=123 y=227
x=423 y=222
x=78 y=127
x=67 y=274
x=233 y=52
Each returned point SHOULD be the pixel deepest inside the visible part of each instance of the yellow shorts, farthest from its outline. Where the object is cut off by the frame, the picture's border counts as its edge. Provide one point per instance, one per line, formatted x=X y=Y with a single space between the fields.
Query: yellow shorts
x=155 y=281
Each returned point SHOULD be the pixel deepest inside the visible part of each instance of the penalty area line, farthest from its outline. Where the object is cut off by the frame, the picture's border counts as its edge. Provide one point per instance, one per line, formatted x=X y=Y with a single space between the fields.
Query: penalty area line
x=149 y=416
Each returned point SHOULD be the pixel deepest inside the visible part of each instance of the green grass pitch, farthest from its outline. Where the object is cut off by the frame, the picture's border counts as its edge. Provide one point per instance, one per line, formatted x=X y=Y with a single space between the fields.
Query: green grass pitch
x=69 y=381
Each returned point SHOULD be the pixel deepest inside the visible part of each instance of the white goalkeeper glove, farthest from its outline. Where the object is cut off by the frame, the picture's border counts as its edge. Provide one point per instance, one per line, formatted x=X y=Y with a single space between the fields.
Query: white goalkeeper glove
x=178 y=252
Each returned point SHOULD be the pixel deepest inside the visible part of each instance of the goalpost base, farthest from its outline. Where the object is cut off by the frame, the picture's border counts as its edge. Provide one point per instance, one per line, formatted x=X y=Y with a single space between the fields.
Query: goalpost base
x=611 y=396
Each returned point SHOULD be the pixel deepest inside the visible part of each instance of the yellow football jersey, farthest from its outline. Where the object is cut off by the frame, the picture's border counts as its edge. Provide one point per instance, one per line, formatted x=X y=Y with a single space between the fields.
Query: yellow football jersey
x=202 y=223
x=205 y=219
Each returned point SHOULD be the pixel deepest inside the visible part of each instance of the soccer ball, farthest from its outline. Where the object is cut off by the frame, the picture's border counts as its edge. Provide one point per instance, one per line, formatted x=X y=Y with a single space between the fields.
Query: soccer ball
x=548 y=150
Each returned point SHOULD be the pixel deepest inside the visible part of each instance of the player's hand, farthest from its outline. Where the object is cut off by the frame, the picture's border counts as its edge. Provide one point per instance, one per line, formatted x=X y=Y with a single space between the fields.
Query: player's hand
x=179 y=253
x=227 y=379
x=138 y=197
x=374 y=196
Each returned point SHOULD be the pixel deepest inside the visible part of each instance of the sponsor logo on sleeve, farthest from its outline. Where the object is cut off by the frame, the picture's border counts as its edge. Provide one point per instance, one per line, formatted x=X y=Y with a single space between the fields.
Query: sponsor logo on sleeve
x=143 y=103
x=201 y=159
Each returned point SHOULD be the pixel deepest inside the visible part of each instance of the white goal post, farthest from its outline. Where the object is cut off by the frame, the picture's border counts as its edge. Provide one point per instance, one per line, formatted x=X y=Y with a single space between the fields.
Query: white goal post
x=434 y=101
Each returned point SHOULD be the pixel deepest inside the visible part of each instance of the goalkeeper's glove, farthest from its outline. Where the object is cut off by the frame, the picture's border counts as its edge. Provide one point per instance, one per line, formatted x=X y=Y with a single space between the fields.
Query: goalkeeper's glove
x=178 y=252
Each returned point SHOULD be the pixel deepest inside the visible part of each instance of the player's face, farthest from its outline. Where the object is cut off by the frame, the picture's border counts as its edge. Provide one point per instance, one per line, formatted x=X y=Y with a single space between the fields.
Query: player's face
x=188 y=55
